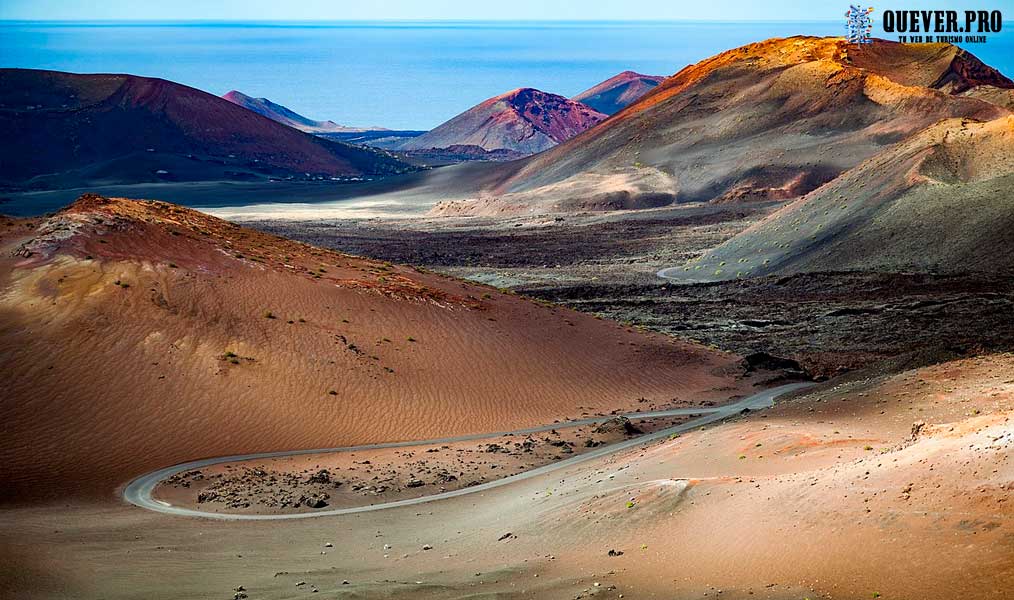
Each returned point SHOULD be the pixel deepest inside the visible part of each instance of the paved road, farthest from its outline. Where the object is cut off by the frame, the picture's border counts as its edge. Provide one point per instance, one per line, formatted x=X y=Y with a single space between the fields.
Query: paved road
x=138 y=491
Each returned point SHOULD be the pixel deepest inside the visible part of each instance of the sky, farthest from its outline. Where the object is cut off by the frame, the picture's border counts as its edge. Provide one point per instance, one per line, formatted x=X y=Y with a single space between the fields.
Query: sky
x=775 y=10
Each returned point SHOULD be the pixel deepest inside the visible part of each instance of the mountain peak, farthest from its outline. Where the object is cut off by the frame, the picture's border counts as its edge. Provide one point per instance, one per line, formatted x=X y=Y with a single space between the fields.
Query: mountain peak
x=524 y=120
x=618 y=92
x=285 y=116
x=78 y=128
x=771 y=120
x=941 y=66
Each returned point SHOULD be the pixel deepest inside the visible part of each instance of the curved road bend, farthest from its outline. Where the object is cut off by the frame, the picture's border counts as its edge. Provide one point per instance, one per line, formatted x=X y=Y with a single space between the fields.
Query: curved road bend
x=139 y=491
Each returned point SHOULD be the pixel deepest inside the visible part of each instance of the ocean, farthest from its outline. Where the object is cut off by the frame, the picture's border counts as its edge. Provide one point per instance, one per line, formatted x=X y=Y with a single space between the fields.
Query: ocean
x=399 y=75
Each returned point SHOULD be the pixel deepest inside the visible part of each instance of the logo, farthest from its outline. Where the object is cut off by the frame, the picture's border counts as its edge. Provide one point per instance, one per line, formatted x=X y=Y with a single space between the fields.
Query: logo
x=859 y=25
x=943 y=24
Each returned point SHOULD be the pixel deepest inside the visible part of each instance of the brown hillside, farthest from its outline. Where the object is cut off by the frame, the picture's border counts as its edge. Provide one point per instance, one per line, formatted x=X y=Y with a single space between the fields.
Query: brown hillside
x=771 y=120
x=73 y=130
x=135 y=335
x=940 y=201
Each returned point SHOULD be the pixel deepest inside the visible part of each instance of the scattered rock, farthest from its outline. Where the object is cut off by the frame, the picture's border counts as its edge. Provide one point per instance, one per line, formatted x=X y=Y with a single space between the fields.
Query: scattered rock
x=207 y=496
x=314 y=501
x=763 y=360
x=321 y=476
x=618 y=425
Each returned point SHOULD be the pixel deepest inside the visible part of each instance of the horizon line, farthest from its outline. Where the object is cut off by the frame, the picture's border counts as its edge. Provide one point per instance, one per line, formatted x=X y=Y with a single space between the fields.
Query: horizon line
x=410 y=20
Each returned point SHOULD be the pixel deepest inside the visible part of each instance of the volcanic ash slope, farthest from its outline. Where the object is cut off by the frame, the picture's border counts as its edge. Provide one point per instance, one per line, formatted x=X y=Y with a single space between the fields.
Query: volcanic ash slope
x=135 y=335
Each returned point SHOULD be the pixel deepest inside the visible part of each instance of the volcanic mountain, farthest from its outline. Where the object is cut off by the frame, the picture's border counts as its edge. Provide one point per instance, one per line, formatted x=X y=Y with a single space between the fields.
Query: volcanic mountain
x=524 y=120
x=88 y=129
x=617 y=92
x=771 y=120
x=135 y=335
x=941 y=201
x=285 y=116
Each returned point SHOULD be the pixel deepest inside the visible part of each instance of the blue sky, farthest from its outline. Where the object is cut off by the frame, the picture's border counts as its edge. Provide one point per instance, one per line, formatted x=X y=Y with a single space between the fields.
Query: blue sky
x=777 y=10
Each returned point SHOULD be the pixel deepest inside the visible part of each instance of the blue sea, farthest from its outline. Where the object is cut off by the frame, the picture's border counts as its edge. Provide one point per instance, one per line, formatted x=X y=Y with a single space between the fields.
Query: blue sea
x=400 y=75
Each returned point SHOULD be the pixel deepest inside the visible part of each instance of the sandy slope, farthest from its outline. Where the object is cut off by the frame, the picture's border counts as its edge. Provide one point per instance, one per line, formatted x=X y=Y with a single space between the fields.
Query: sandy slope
x=898 y=487
x=135 y=335
x=940 y=201
x=831 y=495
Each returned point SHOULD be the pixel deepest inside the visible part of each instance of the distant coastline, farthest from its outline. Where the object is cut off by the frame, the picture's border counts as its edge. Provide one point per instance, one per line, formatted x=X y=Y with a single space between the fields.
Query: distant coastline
x=408 y=75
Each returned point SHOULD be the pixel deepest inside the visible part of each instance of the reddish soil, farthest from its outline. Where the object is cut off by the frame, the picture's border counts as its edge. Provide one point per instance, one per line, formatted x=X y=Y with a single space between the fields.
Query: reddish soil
x=117 y=315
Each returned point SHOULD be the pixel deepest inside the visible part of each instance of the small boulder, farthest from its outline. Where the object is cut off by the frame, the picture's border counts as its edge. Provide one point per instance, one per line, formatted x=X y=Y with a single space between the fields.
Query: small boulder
x=321 y=476
x=315 y=502
x=618 y=425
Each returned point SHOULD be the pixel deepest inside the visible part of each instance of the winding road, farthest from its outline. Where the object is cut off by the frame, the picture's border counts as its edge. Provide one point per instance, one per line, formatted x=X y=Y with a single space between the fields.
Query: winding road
x=139 y=491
